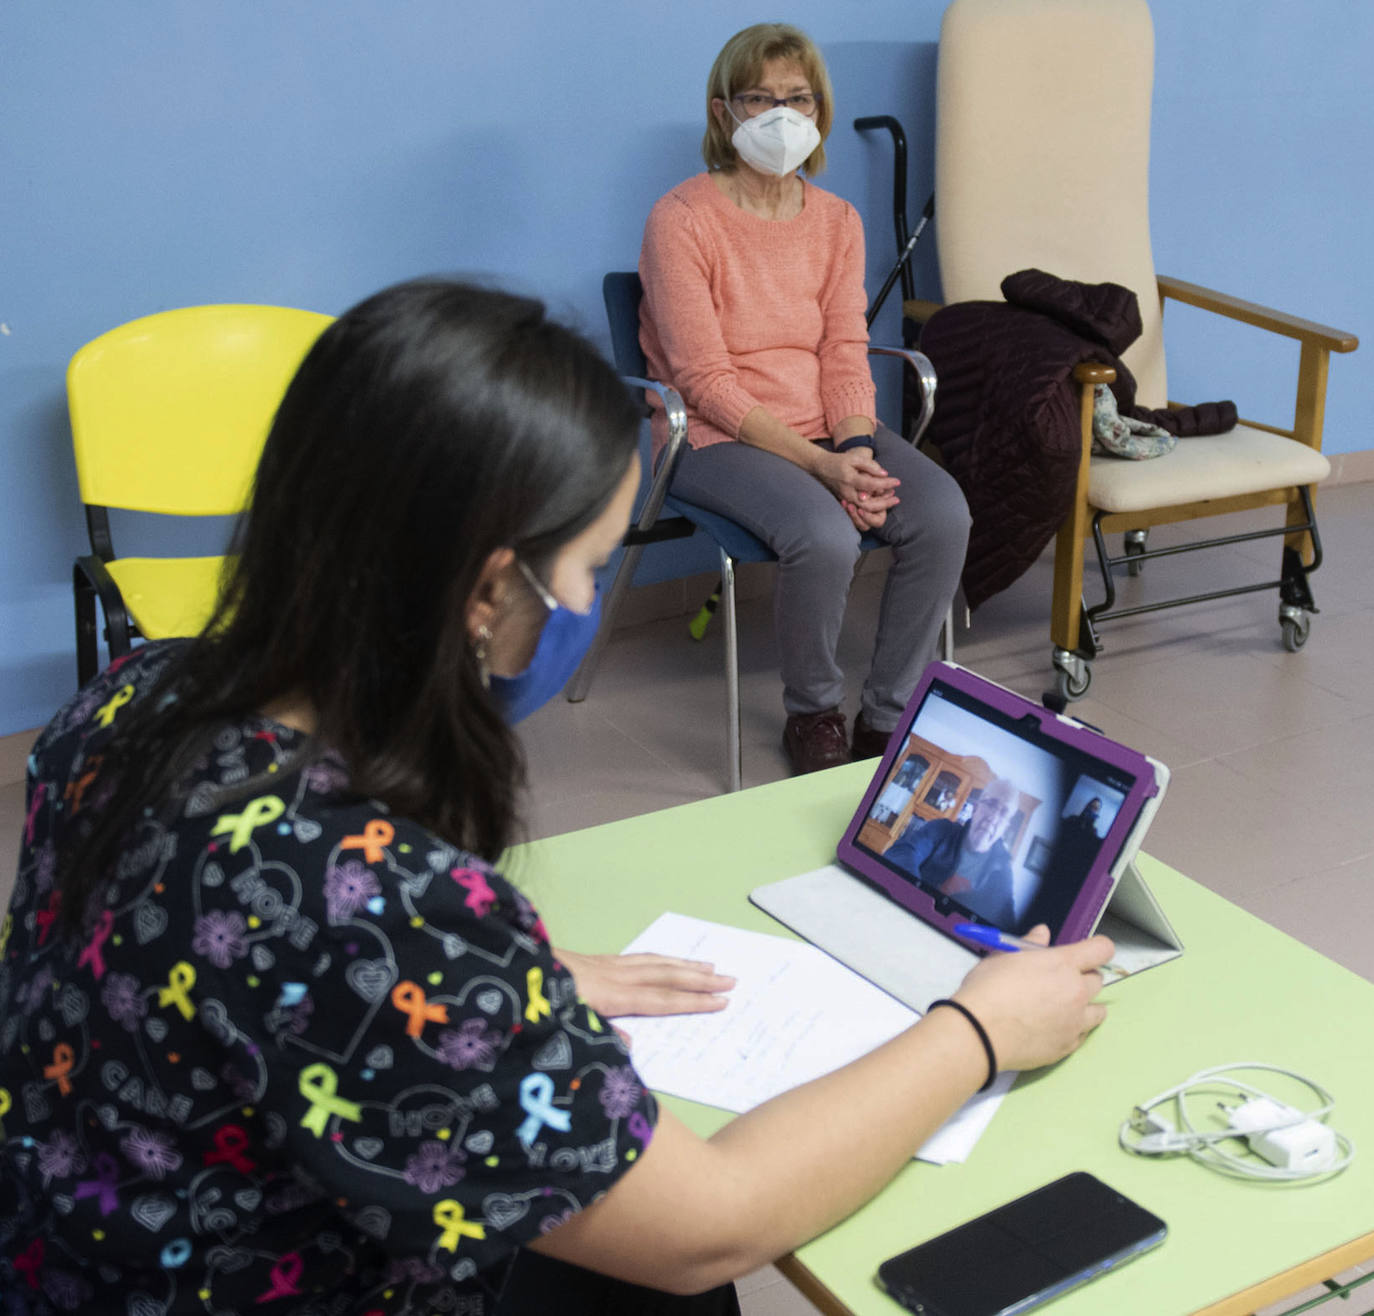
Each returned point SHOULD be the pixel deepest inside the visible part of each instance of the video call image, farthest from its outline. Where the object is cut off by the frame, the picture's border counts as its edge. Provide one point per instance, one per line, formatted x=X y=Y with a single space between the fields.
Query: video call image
x=992 y=824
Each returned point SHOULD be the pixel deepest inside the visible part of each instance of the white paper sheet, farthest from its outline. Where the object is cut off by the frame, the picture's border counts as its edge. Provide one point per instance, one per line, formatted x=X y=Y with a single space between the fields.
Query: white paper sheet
x=794 y=1014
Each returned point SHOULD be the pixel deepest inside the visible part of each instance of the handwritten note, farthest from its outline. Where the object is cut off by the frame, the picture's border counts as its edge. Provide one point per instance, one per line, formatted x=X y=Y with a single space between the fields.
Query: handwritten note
x=794 y=1014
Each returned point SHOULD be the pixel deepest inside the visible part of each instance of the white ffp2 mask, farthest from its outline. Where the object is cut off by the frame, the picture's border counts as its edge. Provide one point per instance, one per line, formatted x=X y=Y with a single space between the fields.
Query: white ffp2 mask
x=776 y=141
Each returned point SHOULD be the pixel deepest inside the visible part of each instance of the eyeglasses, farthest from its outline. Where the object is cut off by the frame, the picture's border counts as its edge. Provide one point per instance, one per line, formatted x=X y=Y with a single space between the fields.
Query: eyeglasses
x=757 y=102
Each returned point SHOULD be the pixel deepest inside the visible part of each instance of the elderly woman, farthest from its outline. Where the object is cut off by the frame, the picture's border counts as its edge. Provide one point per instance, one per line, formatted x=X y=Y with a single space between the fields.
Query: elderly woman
x=754 y=308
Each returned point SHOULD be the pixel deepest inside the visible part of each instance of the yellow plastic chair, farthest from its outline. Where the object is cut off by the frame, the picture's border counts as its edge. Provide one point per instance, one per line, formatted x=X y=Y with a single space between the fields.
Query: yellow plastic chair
x=169 y=414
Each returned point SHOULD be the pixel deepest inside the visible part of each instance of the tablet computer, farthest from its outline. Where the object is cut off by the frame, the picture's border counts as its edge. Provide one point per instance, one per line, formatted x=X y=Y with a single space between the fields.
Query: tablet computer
x=989 y=808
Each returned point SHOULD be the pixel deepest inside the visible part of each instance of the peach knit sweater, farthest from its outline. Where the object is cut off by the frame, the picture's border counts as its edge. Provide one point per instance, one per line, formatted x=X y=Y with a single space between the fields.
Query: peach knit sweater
x=741 y=312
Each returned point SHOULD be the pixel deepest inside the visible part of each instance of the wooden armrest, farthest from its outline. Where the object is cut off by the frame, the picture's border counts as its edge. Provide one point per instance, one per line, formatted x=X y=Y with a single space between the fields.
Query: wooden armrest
x=1261 y=317
x=919 y=309
x=1093 y=372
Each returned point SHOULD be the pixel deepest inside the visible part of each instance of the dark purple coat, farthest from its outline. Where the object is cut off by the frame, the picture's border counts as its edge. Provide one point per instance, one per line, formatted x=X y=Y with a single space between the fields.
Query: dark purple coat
x=1007 y=418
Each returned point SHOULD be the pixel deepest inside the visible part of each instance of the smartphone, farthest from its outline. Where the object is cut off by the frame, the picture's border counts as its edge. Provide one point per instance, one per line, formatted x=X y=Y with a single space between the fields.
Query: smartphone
x=1023 y=1253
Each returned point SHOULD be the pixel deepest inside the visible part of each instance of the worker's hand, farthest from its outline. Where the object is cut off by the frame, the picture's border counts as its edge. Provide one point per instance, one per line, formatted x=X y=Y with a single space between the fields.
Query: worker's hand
x=854 y=477
x=1037 y=1005
x=646 y=984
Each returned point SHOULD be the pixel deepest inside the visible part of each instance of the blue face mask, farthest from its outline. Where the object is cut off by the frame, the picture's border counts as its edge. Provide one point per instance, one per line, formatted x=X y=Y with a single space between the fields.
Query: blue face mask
x=565 y=639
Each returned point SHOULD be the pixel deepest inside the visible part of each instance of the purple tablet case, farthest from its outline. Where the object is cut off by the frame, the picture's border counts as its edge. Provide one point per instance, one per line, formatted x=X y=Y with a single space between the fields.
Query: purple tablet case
x=1063 y=867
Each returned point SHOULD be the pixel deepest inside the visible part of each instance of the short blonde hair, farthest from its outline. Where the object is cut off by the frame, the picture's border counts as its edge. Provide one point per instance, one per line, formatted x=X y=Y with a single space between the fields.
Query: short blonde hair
x=739 y=66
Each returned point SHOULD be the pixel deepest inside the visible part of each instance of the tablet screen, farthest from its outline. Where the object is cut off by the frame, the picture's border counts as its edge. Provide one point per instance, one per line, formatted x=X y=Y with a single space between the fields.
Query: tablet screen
x=992 y=811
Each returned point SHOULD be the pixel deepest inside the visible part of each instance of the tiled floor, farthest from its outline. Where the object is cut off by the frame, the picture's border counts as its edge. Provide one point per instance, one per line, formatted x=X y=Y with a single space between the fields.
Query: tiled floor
x=1272 y=753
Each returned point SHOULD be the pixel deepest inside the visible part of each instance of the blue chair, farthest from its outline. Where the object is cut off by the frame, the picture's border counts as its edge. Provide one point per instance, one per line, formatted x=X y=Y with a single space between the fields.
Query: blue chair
x=622 y=292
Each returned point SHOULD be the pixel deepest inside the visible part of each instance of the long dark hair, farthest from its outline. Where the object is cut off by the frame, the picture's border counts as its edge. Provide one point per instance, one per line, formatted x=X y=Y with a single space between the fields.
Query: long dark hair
x=429 y=426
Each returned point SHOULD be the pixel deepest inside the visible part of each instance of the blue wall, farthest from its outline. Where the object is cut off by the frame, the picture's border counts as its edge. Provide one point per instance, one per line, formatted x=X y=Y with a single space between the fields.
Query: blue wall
x=168 y=153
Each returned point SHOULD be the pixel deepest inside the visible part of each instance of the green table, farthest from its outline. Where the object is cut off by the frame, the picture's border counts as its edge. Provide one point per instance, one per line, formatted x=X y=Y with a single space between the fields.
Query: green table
x=1241 y=991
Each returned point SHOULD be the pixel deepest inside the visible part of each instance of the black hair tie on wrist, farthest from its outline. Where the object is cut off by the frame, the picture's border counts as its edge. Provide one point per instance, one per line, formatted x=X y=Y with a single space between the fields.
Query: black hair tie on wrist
x=982 y=1036
x=855 y=441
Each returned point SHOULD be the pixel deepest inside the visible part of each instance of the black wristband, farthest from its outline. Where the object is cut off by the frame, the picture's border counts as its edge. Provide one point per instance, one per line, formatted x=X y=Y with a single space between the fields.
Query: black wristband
x=982 y=1036
x=855 y=441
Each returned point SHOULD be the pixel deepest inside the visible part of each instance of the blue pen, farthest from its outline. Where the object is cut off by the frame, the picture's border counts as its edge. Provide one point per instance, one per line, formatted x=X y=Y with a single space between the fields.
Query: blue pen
x=994 y=939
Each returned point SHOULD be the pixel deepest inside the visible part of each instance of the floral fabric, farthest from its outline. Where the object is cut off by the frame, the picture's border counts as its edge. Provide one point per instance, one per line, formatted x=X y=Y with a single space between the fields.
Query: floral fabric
x=307 y=1057
x=1116 y=435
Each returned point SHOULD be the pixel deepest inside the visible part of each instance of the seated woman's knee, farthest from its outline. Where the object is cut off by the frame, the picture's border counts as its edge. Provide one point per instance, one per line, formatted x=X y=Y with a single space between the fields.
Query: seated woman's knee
x=828 y=544
x=953 y=513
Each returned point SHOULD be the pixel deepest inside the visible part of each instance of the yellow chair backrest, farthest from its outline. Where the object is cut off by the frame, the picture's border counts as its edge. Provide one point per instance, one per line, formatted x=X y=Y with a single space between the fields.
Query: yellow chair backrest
x=169 y=412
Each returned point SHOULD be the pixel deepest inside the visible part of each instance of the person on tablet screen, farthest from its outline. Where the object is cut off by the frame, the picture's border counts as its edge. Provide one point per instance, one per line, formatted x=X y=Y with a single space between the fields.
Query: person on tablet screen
x=1085 y=820
x=966 y=860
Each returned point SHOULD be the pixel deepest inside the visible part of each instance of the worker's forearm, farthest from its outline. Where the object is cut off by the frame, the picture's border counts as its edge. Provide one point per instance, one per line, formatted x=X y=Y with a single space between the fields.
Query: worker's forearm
x=695 y=1214
x=807 y=1159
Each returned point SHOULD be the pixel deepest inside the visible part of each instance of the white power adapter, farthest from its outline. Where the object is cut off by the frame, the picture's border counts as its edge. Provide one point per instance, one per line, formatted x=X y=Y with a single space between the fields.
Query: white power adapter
x=1298 y=1145
x=1283 y=1136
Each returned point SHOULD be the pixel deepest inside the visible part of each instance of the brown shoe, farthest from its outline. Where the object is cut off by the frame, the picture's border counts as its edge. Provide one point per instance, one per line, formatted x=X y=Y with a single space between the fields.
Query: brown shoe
x=868 y=743
x=815 y=740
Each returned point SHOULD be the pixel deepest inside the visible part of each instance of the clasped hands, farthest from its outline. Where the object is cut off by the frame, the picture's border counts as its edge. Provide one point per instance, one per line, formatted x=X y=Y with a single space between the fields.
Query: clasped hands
x=865 y=490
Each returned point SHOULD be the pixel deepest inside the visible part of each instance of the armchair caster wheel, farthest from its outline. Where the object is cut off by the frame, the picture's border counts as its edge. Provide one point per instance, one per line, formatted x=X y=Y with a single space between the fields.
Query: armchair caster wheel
x=1296 y=629
x=1072 y=675
x=1135 y=546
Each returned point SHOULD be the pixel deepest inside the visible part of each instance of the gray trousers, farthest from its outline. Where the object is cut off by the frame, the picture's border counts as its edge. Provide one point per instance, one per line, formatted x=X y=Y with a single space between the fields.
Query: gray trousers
x=818 y=549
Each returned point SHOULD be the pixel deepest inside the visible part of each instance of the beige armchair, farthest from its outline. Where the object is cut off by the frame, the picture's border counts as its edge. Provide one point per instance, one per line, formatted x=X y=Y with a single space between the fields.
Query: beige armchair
x=1042 y=160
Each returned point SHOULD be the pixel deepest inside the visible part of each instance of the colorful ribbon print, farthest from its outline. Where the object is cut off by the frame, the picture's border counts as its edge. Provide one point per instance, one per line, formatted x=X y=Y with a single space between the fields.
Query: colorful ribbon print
x=536 y=1093
x=480 y=897
x=265 y=809
x=179 y=981
x=63 y=1058
x=448 y=1215
x=104 y=1187
x=32 y=816
x=47 y=916
x=93 y=952
x=539 y=1007
x=376 y=835
x=176 y=1254
x=231 y=1146
x=285 y=1277
x=318 y=1085
x=105 y=714
x=29 y=1261
x=409 y=998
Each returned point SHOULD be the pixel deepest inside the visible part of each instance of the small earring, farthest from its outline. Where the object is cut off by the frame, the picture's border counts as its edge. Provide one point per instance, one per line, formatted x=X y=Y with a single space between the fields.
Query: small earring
x=479 y=651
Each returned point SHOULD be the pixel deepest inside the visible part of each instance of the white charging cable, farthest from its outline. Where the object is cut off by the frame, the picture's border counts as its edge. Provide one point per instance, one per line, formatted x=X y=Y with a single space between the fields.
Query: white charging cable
x=1295 y=1145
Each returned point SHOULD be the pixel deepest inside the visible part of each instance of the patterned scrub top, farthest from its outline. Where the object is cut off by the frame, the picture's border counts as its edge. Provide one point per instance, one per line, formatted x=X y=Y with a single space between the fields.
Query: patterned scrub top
x=310 y=1059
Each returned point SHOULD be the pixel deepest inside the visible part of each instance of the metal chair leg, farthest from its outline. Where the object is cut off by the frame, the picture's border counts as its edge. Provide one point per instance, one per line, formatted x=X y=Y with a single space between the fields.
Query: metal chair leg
x=947 y=636
x=582 y=678
x=733 y=749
